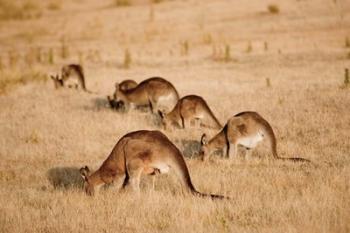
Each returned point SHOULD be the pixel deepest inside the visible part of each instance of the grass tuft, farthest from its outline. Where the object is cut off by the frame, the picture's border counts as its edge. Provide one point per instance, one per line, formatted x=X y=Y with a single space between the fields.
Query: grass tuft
x=346 y=82
x=54 y=5
x=127 y=59
x=222 y=53
x=185 y=47
x=227 y=56
x=347 y=42
x=266 y=46
x=273 y=9
x=64 y=48
x=249 y=48
x=51 y=56
x=120 y=3
x=207 y=39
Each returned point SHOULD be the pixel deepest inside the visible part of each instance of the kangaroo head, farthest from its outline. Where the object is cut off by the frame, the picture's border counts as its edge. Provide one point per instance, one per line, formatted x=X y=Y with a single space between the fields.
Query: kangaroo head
x=88 y=186
x=204 y=151
x=119 y=93
x=57 y=81
x=120 y=98
x=65 y=72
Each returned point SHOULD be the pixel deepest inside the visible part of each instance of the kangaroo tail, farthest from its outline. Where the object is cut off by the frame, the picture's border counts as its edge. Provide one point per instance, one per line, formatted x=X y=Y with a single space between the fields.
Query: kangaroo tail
x=273 y=144
x=212 y=196
x=296 y=159
x=180 y=167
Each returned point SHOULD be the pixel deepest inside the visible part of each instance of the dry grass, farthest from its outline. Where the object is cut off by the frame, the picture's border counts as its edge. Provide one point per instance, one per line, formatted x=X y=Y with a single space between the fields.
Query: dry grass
x=46 y=134
x=20 y=11
x=10 y=78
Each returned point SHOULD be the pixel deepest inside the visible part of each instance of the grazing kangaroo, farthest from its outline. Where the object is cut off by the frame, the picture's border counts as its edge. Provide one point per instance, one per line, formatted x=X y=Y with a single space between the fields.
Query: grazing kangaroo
x=126 y=85
x=137 y=153
x=156 y=92
x=246 y=129
x=191 y=108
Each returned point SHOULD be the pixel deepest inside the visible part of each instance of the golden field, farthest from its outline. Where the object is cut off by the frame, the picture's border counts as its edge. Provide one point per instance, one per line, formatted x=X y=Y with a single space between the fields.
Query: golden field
x=284 y=59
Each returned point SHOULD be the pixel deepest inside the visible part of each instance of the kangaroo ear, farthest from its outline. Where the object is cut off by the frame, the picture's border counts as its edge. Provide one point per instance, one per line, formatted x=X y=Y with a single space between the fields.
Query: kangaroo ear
x=204 y=139
x=161 y=114
x=53 y=77
x=84 y=172
x=116 y=85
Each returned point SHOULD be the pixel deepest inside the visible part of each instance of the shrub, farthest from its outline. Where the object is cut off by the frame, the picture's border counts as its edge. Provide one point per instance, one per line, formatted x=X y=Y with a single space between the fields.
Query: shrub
x=123 y=3
x=273 y=9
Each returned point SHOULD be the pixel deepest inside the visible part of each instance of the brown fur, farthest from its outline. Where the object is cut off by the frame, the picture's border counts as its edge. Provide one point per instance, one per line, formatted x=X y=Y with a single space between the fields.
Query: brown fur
x=127 y=84
x=157 y=93
x=137 y=153
x=243 y=129
x=74 y=71
x=188 y=109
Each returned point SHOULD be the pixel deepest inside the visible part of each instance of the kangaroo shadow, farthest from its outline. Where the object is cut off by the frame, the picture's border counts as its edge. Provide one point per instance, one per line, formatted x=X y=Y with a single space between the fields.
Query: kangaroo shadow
x=190 y=148
x=65 y=178
x=100 y=103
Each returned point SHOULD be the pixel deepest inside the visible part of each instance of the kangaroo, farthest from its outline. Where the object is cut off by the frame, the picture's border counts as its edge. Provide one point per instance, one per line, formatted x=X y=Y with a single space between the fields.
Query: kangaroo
x=72 y=77
x=74 y=73
x=246 y=129
x=156 y=92
x=137 y=153
x=188 y=109
x=126 y=85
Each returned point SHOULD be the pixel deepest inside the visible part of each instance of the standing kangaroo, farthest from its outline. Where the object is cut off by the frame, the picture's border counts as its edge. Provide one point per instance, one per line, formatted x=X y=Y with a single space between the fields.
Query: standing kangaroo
x=137 y=153
x=246 y=129
x=156 y=92
x=72 y=76
x=191 y=108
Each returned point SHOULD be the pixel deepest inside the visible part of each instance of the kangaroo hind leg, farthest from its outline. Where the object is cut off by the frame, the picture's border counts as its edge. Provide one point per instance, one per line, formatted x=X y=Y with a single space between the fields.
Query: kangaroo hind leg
x=135 y=168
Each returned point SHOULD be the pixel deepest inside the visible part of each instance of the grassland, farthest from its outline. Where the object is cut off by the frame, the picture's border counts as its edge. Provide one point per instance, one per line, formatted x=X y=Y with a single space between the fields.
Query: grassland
x=283 y=59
